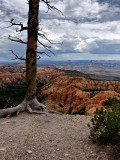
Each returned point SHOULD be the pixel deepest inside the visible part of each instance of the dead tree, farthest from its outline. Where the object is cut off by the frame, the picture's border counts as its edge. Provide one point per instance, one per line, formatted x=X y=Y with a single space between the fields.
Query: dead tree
x=30 y=102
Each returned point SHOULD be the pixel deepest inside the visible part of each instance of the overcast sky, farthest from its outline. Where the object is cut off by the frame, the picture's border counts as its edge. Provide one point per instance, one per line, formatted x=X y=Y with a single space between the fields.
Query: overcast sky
x=89 y=29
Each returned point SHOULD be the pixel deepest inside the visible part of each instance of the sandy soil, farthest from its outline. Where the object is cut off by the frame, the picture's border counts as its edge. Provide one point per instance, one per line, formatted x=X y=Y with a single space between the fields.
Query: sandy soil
x=50 y=137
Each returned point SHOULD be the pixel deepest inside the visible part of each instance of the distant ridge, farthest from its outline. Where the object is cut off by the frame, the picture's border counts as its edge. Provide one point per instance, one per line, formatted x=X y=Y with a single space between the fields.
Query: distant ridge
x=91 y=76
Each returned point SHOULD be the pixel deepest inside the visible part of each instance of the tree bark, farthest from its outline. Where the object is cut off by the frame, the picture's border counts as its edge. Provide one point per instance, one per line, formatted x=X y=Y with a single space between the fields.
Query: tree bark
x=31 y=60
x=30 y=102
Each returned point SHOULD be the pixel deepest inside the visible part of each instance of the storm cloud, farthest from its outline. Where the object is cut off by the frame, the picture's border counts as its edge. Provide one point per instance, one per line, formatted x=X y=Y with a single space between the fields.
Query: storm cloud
x=89 y=27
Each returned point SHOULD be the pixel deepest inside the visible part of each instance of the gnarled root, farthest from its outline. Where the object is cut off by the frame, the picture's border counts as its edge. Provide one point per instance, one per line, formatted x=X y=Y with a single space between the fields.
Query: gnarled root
x=21 y=107
x=33 y=106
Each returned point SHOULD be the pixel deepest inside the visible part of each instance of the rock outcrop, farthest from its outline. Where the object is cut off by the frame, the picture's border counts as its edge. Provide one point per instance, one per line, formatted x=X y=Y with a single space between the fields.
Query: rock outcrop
x=62 y=92
x=14 y=74
x=67 y=92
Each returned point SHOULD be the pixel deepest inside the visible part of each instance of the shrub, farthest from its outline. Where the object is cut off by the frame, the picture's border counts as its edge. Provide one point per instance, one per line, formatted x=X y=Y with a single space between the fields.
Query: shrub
x=82 y=111
x=13 y=94
x=63 y=112
x=105 y=125
x=111 y=102
x=70 y=110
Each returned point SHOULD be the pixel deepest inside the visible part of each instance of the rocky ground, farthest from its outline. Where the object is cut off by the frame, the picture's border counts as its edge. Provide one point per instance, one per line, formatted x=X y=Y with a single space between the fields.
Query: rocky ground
x=50 y=137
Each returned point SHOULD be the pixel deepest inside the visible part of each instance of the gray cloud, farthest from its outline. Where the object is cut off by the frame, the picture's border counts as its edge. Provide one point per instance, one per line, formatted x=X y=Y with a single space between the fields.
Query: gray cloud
x=106 y=47
x=87 y=27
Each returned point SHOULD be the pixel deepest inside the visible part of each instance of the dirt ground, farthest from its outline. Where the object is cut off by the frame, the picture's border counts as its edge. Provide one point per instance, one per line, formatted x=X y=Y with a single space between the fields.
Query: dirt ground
x=50 y=137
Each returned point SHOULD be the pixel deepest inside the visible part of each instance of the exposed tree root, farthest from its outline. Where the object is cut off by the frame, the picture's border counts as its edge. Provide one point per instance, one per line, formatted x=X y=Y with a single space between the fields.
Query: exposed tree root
x=32 y=106
x=21 y=107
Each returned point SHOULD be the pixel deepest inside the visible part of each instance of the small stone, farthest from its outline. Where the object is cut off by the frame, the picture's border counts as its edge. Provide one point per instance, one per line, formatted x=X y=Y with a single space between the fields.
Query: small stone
x=98 y=158
x=2 y=149
x=58 y=149
x=66 y=154
x=29 y=151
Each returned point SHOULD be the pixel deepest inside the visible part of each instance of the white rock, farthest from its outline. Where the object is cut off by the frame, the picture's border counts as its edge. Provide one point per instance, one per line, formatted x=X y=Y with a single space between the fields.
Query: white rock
x=29 y=151
x=66 y=154
x=2 y=149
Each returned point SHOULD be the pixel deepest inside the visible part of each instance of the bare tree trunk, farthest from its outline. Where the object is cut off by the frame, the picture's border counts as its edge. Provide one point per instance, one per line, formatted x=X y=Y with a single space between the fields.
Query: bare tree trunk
x=31 y=62
x=30 y=102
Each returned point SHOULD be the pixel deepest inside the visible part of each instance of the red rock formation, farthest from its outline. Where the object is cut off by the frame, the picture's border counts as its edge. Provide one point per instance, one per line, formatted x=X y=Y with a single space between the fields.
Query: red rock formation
x=65 y=91
x=77 y=92
x=12 y=74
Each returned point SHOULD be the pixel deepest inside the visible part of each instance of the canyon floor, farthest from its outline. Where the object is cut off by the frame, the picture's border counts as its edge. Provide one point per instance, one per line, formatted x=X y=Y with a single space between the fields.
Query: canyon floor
x=50 y=137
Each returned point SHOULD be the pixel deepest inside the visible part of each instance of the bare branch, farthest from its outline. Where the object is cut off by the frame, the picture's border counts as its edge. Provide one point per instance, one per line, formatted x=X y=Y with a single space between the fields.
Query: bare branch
x=17 y=24
x=41 y=30
x=21 y=58
x=43 y=53
x=45 y=38
x=16 y=56
x=46 y=47
x=50 y=6
x=16 y=39
x=40 y=52
x=38 y=57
